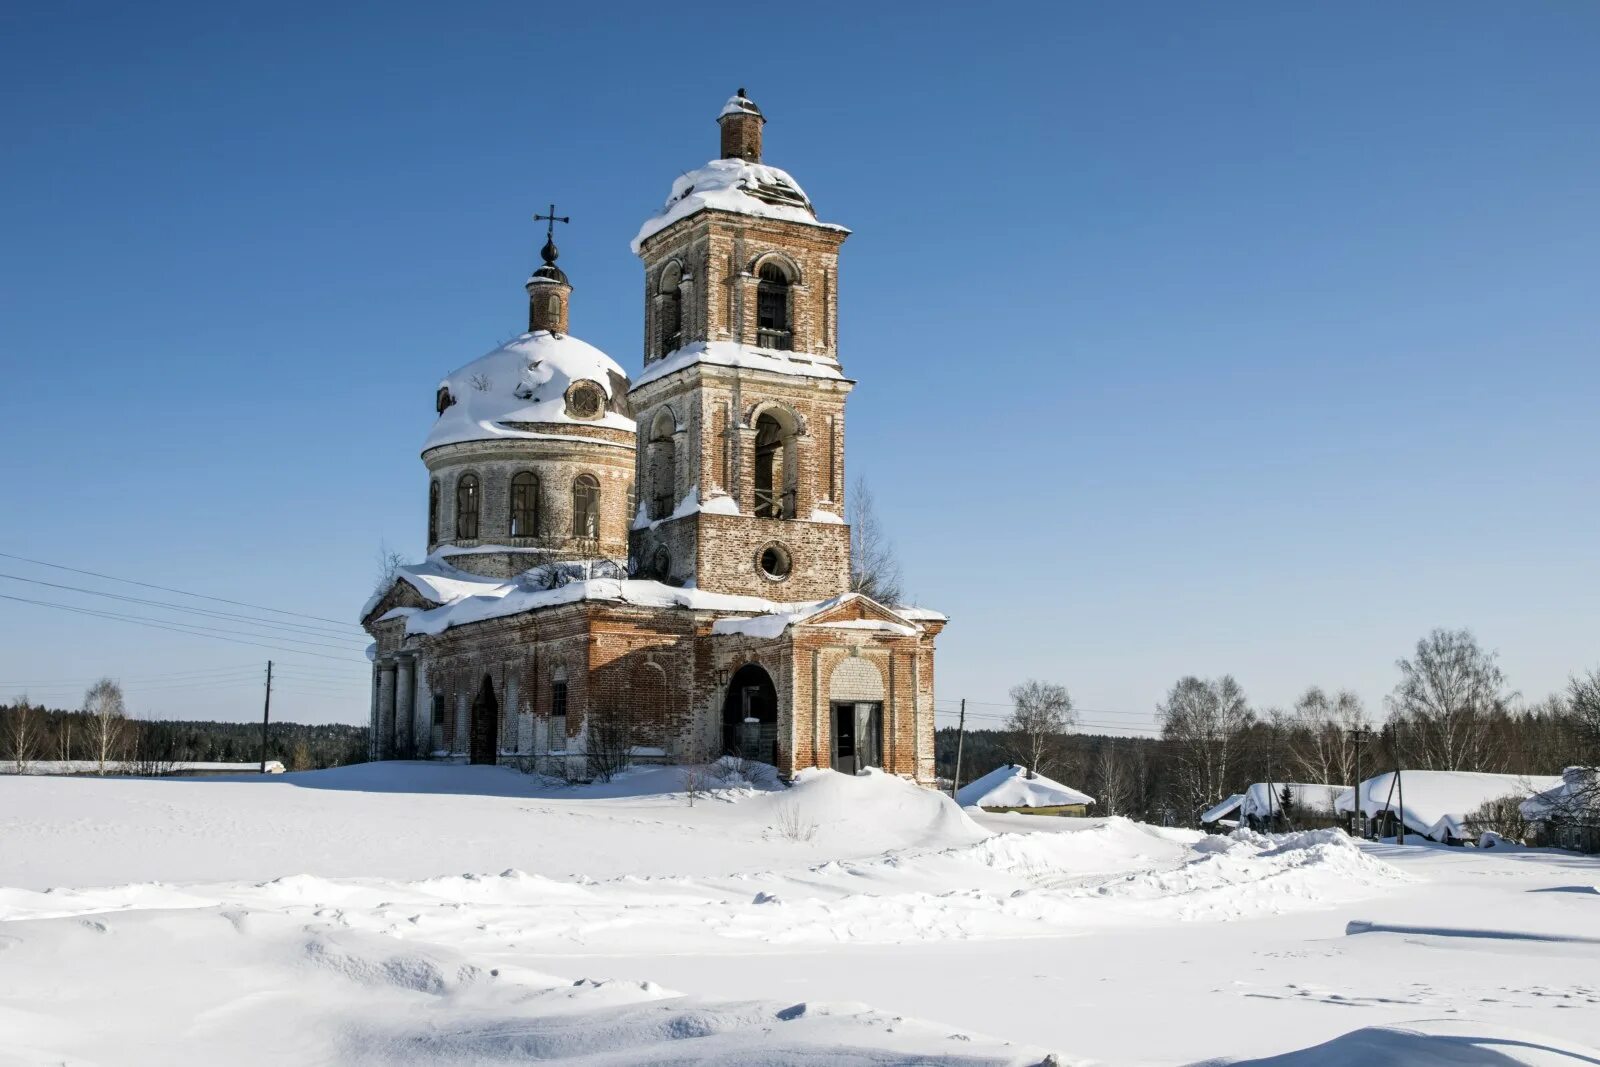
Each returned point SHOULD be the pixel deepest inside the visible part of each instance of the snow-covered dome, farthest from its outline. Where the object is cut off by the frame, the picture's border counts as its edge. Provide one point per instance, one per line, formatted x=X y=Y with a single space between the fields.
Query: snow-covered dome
x=528 y=386
x=736 y=185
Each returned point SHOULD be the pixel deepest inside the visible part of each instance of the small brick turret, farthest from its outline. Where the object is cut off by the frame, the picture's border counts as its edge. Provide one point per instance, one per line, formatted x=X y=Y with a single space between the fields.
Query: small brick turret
x=741 y=123
x=549 y=293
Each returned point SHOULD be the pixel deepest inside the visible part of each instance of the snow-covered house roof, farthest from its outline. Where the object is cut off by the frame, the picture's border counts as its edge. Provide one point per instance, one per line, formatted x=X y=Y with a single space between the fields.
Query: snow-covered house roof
x=1264 y=799
x=1226 y=809
x=524 y=383
x=1010 y=787
x=737 y=186
x=1575 y=795
x=1438 y=803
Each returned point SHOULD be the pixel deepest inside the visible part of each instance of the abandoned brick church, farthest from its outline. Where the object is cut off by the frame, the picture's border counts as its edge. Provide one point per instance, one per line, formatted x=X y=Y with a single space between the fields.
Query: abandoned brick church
x=664 y=559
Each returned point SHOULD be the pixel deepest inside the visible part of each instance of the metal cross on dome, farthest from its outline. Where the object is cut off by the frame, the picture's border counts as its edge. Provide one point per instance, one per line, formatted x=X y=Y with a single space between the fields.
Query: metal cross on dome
x=552 y=219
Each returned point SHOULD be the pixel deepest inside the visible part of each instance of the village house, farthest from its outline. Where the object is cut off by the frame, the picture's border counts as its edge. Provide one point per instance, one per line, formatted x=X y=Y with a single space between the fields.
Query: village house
x=657 y=569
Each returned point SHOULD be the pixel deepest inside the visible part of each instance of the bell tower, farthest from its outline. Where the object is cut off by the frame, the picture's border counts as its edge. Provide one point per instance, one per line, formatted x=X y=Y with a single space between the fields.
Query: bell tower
x=741 y=403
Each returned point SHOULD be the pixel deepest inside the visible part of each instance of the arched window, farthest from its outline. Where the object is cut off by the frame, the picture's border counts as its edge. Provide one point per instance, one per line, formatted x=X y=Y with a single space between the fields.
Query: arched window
x=433 y=513
x=586 y=507
x=524 y=504
x=662 y=465
x=467 y=507
x=776 y=473
x=669 y=307
x=772 y=308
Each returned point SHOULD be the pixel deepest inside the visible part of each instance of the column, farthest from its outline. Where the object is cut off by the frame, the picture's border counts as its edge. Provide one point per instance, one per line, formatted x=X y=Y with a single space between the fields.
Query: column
x=383 y=746
x=372 y=718
x=404 y=710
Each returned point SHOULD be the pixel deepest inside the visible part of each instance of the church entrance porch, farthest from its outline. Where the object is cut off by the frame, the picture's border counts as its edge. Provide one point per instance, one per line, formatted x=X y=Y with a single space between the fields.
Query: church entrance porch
x=484 y=738
x=750 y=715
x=857 y=736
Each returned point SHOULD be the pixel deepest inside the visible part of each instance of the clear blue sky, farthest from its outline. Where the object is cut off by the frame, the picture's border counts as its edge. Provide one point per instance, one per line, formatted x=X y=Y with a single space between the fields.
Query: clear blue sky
x=1250 y=338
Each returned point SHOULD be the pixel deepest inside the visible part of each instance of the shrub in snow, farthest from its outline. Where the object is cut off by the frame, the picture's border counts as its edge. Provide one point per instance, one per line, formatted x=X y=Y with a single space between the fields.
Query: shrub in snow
x=793 y=825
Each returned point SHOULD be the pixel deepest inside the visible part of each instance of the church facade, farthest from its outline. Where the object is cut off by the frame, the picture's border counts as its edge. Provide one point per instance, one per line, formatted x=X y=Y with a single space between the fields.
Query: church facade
x=657 y=569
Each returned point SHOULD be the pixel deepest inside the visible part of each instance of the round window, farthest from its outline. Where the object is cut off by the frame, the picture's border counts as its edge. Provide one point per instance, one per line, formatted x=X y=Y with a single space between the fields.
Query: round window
x=775 y=562
x=584 y=400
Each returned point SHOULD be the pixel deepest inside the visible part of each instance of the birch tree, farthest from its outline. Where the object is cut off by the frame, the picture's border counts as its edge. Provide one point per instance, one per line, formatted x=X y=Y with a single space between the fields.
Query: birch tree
x=107 y=718
x=1041 y=718
x=1445 y=702
x=1204 y=724
x=874 y=565
x=22 y=734
x=1113 y=780
x=1322 y=748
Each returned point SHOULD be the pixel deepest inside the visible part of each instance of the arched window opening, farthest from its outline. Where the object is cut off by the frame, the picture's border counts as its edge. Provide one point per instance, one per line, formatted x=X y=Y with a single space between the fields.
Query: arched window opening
x=750 y=715
x=524 y=504
x=467 y=507
x=776 y=472
x=669 y=307
x=586 y=507
x=433 y=513
x=661 y=457
x=772 y=308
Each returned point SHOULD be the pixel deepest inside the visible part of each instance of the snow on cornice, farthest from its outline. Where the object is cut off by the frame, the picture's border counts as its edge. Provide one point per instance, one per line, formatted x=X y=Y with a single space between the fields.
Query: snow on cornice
x=737 y=186
x=525 y=382
x=748 y=357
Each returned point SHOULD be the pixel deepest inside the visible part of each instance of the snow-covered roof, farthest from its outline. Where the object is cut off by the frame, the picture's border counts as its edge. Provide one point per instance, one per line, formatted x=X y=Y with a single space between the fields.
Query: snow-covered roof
x=1010 y=787
x=734 y=354
x=525 y=381
x=777 y=621
x=1217 y=812
x=735 y=185
x=1576 y=794
x=1264 y=799
x=1438 y=803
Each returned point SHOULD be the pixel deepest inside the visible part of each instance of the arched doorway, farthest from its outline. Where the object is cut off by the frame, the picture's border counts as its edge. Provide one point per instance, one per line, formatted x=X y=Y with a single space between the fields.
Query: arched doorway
x=750 y=715
x=483 y=743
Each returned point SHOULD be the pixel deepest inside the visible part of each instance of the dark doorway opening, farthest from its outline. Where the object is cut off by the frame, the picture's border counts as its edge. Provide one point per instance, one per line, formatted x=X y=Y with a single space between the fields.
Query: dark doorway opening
x=857 y=736
x=750 y=715
x=483 y=744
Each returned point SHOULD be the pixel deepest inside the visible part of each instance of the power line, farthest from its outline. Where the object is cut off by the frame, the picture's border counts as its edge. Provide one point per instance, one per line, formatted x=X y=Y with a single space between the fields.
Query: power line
x=180 y=592
x=174 y=627
x=142 y=678
x=292 y=627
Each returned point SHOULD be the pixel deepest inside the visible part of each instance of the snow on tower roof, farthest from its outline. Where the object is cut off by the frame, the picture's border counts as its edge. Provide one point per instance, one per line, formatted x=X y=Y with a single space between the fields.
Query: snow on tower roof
x=1010 y=787
x=1438 y=803
x=525 y=381
x=735 y=185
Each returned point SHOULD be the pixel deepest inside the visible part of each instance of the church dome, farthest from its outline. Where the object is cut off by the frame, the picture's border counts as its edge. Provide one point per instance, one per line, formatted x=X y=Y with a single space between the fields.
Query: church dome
x=538 y=384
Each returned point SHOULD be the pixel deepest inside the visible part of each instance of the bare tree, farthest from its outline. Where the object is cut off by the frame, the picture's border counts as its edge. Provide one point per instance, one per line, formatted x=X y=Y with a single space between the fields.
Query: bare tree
x=1113 y=780
x=608 y=743
x=1445 y=700
x=1204 y=723
x=1583 y=709
x=1041 y=718
x=22 y=734
x=107 y=717
x=874 y=564
x=389 y=564
x=1322 y=747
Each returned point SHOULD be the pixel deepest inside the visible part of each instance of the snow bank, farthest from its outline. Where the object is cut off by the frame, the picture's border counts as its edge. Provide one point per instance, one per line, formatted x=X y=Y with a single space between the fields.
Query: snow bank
x=1432 y=1043
x=115 y=767
x=1010 y=787
x=1438 y=803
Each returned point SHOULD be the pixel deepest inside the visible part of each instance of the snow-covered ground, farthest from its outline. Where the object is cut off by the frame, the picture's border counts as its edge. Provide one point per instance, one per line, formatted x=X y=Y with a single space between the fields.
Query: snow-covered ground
x=421 y=913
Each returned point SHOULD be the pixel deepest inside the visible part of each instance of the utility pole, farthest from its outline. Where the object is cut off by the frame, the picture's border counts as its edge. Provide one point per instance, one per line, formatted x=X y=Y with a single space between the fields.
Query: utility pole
x=961 y=736
x=1358 y=737
x=1400 y=783
x=266 y=714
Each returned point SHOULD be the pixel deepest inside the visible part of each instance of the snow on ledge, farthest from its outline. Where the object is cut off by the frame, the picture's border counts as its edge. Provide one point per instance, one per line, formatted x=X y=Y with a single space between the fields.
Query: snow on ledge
x=747 y=357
